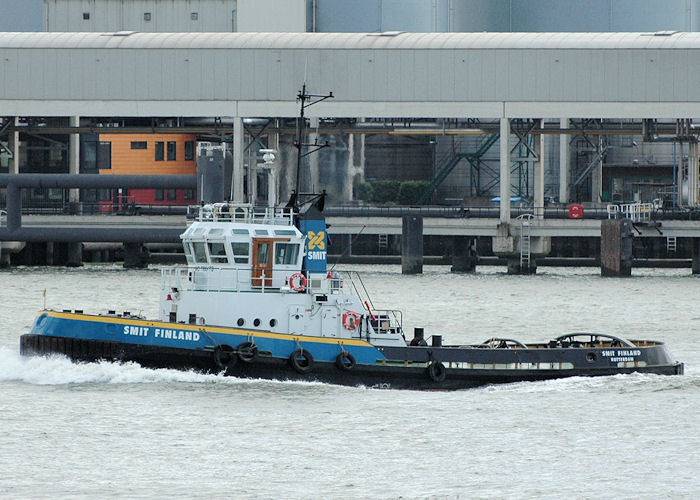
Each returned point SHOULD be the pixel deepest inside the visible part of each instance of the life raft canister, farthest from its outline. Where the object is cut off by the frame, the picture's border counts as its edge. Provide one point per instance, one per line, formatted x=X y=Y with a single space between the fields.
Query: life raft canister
x=297 y=282
x=350 y=320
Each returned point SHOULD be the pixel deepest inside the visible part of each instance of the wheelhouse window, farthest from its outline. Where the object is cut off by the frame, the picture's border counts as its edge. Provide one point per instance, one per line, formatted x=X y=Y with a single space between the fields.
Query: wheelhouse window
x=286 y=253
x=240 y=252
x=199 y=252
x=160 y=149
x=217 y=251
x=172 y=149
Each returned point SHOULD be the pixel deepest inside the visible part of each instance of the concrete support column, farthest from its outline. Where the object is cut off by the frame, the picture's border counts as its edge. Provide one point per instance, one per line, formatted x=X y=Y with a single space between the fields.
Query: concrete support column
x=136 y=256
x=412 y=244
x=74 y=254
x=14 y=207
x=696 y=256
x=74 y=158
x=237 y=152
x=13 y=144
x=597 y=178
x=693 y=173
x=505 y=170
x=616 y=247
x=539 y=174
x=464 y=256
x=564 y=162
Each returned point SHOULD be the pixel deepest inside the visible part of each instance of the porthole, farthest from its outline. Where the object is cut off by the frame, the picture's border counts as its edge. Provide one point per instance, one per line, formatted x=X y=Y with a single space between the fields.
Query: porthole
x=256 y=322
x=273 y=323
x=241 y=322
x=590 y=357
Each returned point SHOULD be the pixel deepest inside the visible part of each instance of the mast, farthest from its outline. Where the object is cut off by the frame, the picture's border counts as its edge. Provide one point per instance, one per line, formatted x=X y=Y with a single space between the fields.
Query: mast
x=306 y=100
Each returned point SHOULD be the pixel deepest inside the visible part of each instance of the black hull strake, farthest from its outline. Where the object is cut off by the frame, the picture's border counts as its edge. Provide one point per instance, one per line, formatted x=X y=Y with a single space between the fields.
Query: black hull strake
x=394 y=375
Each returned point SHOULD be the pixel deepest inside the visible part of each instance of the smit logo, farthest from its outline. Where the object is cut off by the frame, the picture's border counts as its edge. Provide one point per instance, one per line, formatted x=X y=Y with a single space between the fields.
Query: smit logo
x=317 y=240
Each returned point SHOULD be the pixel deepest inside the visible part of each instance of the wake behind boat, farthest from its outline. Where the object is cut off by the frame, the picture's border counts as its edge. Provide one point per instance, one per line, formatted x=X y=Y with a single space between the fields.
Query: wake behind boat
x=256 y=300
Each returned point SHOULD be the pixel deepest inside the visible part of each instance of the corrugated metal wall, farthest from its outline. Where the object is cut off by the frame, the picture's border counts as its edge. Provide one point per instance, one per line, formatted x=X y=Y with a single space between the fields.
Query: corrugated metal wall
x=392 y=75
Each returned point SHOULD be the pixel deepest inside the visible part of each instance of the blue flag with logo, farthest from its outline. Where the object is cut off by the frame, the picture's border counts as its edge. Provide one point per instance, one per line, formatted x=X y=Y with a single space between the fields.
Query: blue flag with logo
x=316 y=244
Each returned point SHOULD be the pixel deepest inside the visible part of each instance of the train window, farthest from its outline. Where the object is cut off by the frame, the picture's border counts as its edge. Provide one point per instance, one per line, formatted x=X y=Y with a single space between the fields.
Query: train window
x=160 y=154
x=240 y=252
x=286 y=253
x=189 y=194
x=159 y=195
x=139 y=145
x=189 y=150
x=172 y=156
x=171 y=194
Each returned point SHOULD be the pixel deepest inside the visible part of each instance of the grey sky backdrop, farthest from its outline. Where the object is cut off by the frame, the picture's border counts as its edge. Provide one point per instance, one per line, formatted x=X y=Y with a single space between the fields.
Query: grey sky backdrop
x=20 y=15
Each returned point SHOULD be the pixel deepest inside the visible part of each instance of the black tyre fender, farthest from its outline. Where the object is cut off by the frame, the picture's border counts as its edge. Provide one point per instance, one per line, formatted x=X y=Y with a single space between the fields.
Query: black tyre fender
x=224 y=357
x=345 y=361
x=302 y=361
x=437 y=371
x=247 y=352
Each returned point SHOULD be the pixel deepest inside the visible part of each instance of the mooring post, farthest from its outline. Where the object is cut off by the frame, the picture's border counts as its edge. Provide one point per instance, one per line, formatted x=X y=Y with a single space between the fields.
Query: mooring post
x=464 y=256
x=412 y=244
x=616 y=247
x=696 y=256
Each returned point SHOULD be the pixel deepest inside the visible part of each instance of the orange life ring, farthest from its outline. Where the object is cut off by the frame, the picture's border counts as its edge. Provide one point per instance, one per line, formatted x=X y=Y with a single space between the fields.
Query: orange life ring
x=350 y=320
x=299 y=287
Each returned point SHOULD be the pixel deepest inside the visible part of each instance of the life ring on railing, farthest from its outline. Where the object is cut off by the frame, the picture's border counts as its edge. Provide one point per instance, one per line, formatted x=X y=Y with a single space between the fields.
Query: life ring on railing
x=350 y=320
x=301 y=285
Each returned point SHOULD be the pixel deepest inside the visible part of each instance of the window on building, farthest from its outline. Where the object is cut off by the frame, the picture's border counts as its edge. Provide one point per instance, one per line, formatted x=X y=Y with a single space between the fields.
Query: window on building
x=172 y=145
x=171 y=194
x=104 y=155
x=189 y=194
x=139 y=145
x=88 y=157
x=105 y=194
x=160 y=151
x=160 y=195
x=194 y=16
x=189 y=150
x=86 y=16
x=146 y=16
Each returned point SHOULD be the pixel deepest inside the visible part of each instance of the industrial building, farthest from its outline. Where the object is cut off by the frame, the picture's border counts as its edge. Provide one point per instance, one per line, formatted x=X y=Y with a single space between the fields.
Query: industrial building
x=544 y=117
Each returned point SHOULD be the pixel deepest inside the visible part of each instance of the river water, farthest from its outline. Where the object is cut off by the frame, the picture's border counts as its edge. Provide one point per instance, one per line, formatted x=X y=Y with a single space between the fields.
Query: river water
x=104 y=429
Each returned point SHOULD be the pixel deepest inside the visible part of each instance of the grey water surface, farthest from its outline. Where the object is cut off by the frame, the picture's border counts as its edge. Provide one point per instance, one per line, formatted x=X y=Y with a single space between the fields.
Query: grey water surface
x=117 y=430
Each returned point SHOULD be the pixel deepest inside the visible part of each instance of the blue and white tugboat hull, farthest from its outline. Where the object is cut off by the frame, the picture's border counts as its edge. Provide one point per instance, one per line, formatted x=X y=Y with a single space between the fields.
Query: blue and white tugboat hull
x=268 y=355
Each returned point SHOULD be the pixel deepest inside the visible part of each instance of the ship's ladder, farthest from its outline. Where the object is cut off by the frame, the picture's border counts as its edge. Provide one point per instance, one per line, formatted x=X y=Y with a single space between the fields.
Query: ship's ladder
x=671 y=244
x=526 y=221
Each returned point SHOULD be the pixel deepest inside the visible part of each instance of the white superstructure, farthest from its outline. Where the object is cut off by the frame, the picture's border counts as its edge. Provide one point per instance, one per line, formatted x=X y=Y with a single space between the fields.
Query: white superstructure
x=244 y=269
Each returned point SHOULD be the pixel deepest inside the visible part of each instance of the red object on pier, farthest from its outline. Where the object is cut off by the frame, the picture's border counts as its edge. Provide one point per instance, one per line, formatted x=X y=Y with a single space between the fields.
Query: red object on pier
x=575 y=211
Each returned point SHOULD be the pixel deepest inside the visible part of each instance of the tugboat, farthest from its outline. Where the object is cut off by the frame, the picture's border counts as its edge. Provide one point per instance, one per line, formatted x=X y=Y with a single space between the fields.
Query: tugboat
x=257 y=300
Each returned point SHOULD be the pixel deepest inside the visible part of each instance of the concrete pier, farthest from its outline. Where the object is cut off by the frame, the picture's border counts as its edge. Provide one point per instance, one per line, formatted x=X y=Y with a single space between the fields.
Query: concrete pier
x=464 y=256
x=412 y=244
x=696 y=256
x=136 y=256
x=74 y=254
x=616 y=247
